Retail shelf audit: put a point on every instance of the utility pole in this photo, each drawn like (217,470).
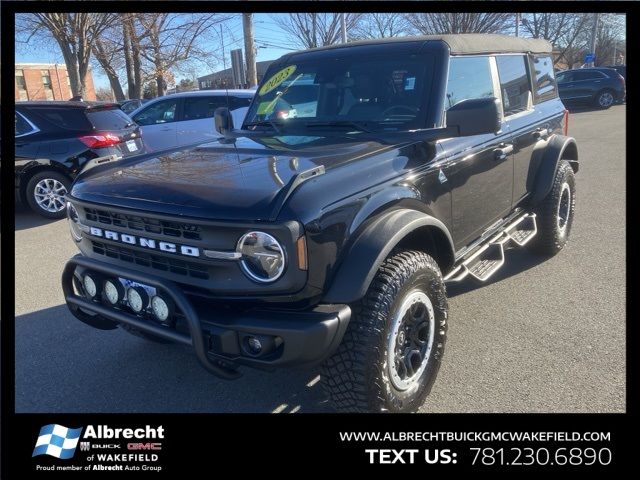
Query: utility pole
(249,49)
(343,27)
(313,29)
(224,55)
(594,37)
(517,24)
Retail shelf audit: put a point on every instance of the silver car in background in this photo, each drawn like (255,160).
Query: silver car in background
(186,118)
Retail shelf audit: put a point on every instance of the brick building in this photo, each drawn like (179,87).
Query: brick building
(47,81)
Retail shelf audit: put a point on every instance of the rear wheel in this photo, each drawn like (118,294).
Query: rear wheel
(604,99)
(46,193)
(391,352)
(555,213)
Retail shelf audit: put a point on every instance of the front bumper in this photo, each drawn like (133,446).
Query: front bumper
(217,335)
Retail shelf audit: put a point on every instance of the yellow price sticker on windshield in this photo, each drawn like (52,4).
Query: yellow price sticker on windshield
(277,79)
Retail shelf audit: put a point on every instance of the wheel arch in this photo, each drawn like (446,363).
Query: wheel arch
(558,148)
(403,228)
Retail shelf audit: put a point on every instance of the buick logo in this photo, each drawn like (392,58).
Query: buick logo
(145,242)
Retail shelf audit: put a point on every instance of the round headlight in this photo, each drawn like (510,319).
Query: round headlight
(137,298)
(74,222)
(263,257)
(113,291)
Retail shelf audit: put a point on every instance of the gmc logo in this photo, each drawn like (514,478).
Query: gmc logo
(145,242)
(144,446)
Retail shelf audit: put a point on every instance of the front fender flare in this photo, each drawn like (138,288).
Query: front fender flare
(367,252)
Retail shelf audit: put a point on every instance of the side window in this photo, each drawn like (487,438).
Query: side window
(469,77)
(238,102)
(578,76)
(545,83)
(161,112)
(22,126)
(196,108)
(564,77)
(514,83)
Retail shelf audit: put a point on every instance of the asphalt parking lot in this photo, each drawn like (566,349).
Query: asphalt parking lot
(543,336)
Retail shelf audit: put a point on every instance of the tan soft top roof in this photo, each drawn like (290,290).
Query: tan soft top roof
(464,43)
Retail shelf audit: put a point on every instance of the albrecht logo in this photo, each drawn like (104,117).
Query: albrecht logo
(57,441)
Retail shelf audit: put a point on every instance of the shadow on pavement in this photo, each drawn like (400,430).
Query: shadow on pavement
(517,261)
(26,218)
(113,371)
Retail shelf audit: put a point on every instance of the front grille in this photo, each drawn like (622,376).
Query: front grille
(164,264)
(144,224)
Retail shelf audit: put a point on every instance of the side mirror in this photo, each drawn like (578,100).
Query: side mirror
(475,116)
(223,120)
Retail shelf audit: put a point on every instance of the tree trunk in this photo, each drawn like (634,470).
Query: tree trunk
(114,80)
(128,61)
(160,85)
(71,63)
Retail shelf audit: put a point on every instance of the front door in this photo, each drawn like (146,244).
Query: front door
(479,168)
(158,125)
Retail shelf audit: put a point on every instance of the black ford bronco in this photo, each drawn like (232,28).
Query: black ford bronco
(365,177)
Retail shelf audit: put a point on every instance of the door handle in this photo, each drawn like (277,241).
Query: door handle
(541,133)
(166,129)
(503,152)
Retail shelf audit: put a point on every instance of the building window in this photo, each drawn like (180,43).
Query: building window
(22,85)
(46,83)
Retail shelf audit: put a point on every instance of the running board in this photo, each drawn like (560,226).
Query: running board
(488,259)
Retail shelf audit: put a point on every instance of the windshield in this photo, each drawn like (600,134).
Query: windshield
(368,93)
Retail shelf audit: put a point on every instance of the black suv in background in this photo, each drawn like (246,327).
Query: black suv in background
(55,141)
(600,87)
(325,229)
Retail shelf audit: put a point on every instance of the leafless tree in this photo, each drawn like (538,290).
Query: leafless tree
(310,30)
(173,39)
(75,34)
(381,25)
(562,30)
(457,22)
(104,94)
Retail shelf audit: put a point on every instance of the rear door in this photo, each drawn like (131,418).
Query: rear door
(197,124)
(480,167)
(158,124)
(586,83)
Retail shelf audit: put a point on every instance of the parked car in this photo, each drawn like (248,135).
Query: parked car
(327,236)
(186,118)
(129,106)
(600,87)
(56,141)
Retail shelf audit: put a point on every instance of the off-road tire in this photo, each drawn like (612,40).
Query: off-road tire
(31,187)
(356,376)
(550,238)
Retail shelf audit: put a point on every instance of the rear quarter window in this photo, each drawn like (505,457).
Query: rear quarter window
(544,81)
(112,119)
(63,118)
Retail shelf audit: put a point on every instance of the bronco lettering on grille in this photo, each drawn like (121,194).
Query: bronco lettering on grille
(145,242)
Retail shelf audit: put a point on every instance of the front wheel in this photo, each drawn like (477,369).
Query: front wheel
(391,352)
(46,192)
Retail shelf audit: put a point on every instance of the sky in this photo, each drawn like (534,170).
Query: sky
(268,36)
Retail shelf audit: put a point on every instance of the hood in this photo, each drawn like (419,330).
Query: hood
(240,181)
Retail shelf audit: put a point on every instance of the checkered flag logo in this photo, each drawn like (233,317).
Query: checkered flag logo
(57,441)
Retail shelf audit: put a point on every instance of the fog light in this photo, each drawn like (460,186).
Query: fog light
(90,286)
(255,346)
(137,298)
(113,291)
(162,308)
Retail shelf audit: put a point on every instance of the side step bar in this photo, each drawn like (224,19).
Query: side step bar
(488,259)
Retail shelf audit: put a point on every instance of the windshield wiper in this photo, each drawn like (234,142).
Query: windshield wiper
(265,123)
(339,123)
